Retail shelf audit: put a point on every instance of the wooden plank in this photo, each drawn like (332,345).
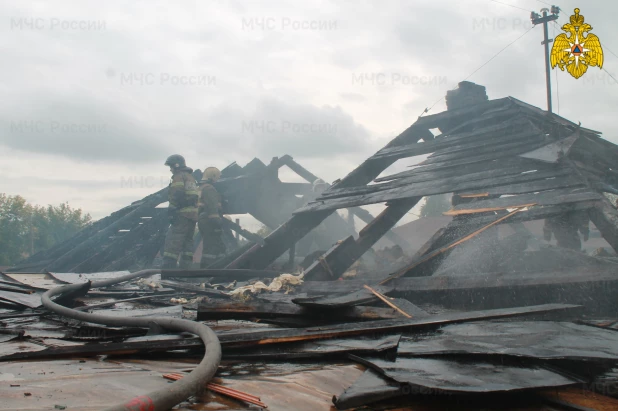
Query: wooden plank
(358,297)
(489,153)
(341,257)
(443,143)
(366,217)
(534,213)
(420,174)
(579,399)
(385,346)
(242,311)
(329,266)
(486,146)
(298,169)
(498,155)
(379,326)
(428,188)
(387,302)
(143,209)
(426,289)
(531,187)
(515,128)
(545,198)
(485,176)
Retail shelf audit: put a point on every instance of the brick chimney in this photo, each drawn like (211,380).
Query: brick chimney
(466,94)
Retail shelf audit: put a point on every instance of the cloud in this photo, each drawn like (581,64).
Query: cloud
(100,104)
(88,131)
(274,127)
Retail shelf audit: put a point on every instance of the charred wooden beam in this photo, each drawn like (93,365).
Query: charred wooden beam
(554,197)
(246,234)
(298,169)
(379,326)
(240,311)
(341,257)
(141,210)
(359,297)
(367,217)
(139,233)
(447,185)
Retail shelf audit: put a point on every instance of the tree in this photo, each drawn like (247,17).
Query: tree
(26,229)
(436,205)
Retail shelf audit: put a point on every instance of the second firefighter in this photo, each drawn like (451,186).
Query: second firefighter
(210,218)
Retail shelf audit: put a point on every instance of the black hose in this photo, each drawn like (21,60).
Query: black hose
(172,394)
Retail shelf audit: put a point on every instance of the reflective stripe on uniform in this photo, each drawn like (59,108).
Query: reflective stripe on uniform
(187,253)
(171,255)
(177,184)
(209,255)
(182,210)
(192,192)
(213,216)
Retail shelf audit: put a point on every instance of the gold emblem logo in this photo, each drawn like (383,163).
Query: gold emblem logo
(577,51)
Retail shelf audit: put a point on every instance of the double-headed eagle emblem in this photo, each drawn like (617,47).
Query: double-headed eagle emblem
(577,51)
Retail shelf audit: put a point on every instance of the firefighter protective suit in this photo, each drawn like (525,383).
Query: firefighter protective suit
(182,211)
(210,219)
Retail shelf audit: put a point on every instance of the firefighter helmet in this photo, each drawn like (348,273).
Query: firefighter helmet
(175,161)
(211,174)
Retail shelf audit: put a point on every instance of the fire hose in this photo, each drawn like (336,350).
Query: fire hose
(163,399)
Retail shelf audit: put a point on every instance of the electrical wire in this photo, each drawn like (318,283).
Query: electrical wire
(609,74)
(510,5)
(483,65)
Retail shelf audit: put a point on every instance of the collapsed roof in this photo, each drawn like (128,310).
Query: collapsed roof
(132,237)
(504,154)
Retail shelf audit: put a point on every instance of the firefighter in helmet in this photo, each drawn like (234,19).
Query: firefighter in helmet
(182,213)
(209,219)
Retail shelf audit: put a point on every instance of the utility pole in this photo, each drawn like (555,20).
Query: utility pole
(545,19)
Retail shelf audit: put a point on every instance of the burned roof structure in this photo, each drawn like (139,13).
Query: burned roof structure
(535,332)
(498,156)
(132,237)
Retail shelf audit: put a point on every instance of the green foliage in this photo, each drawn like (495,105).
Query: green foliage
(27,228)
(436,205)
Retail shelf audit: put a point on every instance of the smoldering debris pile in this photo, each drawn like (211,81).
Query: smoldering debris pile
(474,319)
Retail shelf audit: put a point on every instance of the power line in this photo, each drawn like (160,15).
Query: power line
(510,5)
(609,74)
(483,65)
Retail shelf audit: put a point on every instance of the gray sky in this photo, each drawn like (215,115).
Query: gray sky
(97,94)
